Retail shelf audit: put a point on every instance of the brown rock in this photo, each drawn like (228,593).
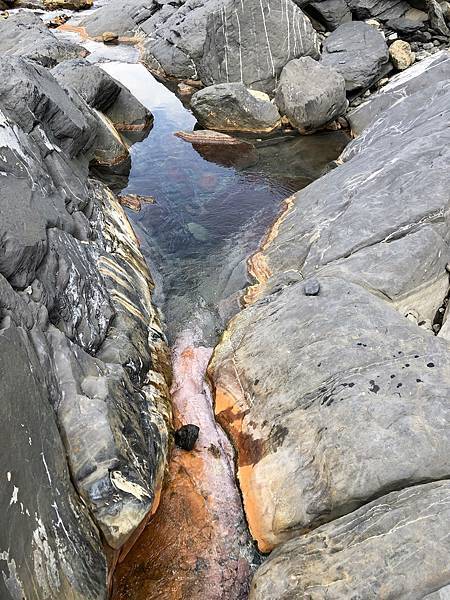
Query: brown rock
(401,55)
(109,37)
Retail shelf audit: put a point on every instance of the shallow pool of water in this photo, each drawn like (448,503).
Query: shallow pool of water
(212,206)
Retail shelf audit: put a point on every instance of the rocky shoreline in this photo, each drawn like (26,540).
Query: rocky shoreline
(331,383)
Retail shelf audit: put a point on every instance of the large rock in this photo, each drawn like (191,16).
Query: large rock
(437,19)
(358,51)
(394,547)
(49,546)
(231,107)
(217,41)
(310,94)
(24,34)
(103,92)
(81,348)
(353,402)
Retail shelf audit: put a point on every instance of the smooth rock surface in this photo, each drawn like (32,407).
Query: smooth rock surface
(231,107)
(310,94)
(365,554)
(358,52)
(353,403)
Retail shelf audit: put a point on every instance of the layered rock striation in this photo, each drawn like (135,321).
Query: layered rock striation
(83,360)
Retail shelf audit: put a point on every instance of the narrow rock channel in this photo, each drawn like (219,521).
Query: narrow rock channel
(210,213)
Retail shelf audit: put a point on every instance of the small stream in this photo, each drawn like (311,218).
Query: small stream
(213,207)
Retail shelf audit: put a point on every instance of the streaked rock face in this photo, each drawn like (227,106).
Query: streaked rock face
(216,41)
(83,362)
(339,398)
(382,550)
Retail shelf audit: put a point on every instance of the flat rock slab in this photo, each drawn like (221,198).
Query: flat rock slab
(352,403)
(358,51)
(394,547)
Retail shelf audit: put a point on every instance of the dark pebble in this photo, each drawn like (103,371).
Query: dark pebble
(186,436)
(311,287)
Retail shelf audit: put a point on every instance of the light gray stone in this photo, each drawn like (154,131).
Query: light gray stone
(310,95)
(231,107)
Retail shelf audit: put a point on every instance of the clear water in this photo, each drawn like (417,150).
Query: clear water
(211,210)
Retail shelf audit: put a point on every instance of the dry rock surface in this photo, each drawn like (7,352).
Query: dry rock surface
(352,405)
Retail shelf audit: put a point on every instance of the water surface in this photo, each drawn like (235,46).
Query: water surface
(213,205)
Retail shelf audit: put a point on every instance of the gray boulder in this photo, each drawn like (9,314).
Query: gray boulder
(332,13)
(358,52)
(310,95)
(253,44)
(437,19)
(24,34)
(395,547)
(232,107)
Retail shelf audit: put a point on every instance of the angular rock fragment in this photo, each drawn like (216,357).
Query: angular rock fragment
(401,55)
(310,94)
(358,52)
(232,107)
(394,547)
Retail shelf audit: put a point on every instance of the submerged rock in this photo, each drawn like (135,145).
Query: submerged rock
(358,52)
(232,107)
(310,94)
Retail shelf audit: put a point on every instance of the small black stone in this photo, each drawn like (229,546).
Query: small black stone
(430,364)
(186,436)
(311,287)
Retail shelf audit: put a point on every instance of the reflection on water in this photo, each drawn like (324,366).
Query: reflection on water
(213,205)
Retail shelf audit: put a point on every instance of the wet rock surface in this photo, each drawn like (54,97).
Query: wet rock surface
(83,360)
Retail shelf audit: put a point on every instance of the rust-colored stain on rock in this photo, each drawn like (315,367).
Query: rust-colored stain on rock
(197,545)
